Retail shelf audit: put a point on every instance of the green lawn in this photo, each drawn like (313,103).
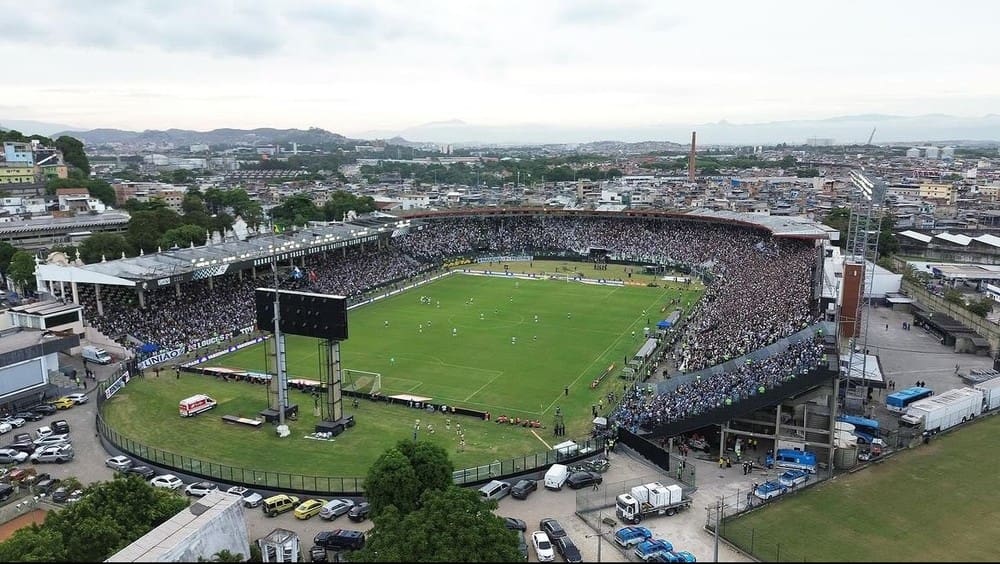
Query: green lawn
(581,330)
(935,503)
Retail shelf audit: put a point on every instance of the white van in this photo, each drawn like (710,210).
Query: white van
(96,354)
(196,404)
(556,476)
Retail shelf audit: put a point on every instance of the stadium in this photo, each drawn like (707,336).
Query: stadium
(546,331)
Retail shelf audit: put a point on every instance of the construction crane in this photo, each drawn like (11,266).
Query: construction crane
(871,136)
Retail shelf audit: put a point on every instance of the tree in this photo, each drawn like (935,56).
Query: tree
(6,253)
(392,482)
(341,202)
(223,556)
(296,210)
(108,245)
(452,525)
(110,516)
(981,307)
(147,227)
(183,236)
(787,162)
(96,188)
(839,219)
(22,270)
(954,296)
(430,462)
(73,154)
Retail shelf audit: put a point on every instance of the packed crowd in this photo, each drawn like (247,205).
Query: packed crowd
(760,291)
(640,409)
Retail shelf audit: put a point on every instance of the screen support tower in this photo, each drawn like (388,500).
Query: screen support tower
(860,256)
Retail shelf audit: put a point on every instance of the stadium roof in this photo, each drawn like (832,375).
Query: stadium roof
(778,225)
(176,265)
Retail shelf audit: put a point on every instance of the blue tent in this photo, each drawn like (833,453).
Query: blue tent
(663,324)
(149,348)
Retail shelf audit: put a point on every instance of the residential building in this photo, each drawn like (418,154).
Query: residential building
(18,153)
(172,195)
(940,192)
(17,174)
(78,200)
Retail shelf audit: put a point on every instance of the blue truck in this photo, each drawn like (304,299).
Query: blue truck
(631,536)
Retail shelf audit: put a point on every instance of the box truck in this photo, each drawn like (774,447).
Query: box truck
(96,354)
(648,499)
(196,404)
(944,411)
(991,393)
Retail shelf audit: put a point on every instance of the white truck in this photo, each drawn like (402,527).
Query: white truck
(991,393)
(649,499)
(944,411)
(96,354)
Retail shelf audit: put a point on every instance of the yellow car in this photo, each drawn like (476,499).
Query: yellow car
(63,403)
(308,508)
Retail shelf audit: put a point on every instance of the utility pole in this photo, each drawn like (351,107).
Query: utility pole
(599,534)
(718,511)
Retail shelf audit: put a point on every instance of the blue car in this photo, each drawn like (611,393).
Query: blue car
(630,536)
(650,548)
(680,556)
(793,477)
(767,490)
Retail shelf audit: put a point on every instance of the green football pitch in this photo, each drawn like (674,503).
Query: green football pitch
(934,503)
(462,352)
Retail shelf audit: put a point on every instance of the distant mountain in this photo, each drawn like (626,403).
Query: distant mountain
(29,127)
(842,129)
(181,137)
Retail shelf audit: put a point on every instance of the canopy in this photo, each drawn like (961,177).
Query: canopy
(149,348)
(664,324)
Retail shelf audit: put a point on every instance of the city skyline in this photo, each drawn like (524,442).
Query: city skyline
(382,67)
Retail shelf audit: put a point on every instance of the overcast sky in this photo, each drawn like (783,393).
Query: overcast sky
(354,67)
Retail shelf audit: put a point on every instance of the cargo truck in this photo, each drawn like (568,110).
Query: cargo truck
(991,393)
(944,411)
(650,499)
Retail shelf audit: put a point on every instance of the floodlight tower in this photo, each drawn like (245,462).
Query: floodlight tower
(867,206)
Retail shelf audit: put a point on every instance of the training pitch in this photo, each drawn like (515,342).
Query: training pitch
(463,340)
(935,503)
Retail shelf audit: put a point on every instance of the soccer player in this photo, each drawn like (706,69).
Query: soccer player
(454,331)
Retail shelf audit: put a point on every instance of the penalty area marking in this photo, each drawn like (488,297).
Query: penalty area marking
(541,439)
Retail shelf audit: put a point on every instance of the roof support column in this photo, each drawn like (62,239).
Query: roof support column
(142,298)
(76,293)
(253,271)
(211,282)
(177,288)
(97,294)
(62,291)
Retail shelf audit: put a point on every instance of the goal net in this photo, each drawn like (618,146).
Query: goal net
(361,381)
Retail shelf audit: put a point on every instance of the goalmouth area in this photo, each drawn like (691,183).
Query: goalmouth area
(508,345)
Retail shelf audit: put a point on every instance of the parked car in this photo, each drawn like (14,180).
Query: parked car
(280,503)
(6,428)
(143,471)
(118,463)
(579,480)
(308,508)
(47,485)
(63,403)
(793,477)
(631,536)
(44,409)
(60,427)
(12,456)
(19,475)
(515,524)
(335,508)
(35,478)
(53,453)
(26,448)
(6,490)
(523,488)
(543,547)
(522,545)
(650,548)
(250,497)
(360,512)
(15,422)
(65,495)
(340,539)
(317,554)
(167,481)
(29,415)
(552,528)
(78,398)
(22,438)
(767,490)
(199,489)
(52,440)
(567,548)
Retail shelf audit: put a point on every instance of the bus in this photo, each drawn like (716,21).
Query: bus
(897,402)
(866,430)
(790,458)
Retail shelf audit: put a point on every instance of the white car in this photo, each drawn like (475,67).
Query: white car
(17,422)
(168,481)
(793,477)
(119,463)
(335,508)
(52,440)
(12,456)
(53,453)
(250,497)
(6,428)
(43,431)
(543,547)
(78,398)
(199,489)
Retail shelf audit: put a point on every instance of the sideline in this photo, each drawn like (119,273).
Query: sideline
(541,439)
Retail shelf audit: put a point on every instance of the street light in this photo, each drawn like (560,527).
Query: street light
(599,534)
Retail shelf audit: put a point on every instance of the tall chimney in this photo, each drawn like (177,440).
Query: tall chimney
(691,158)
